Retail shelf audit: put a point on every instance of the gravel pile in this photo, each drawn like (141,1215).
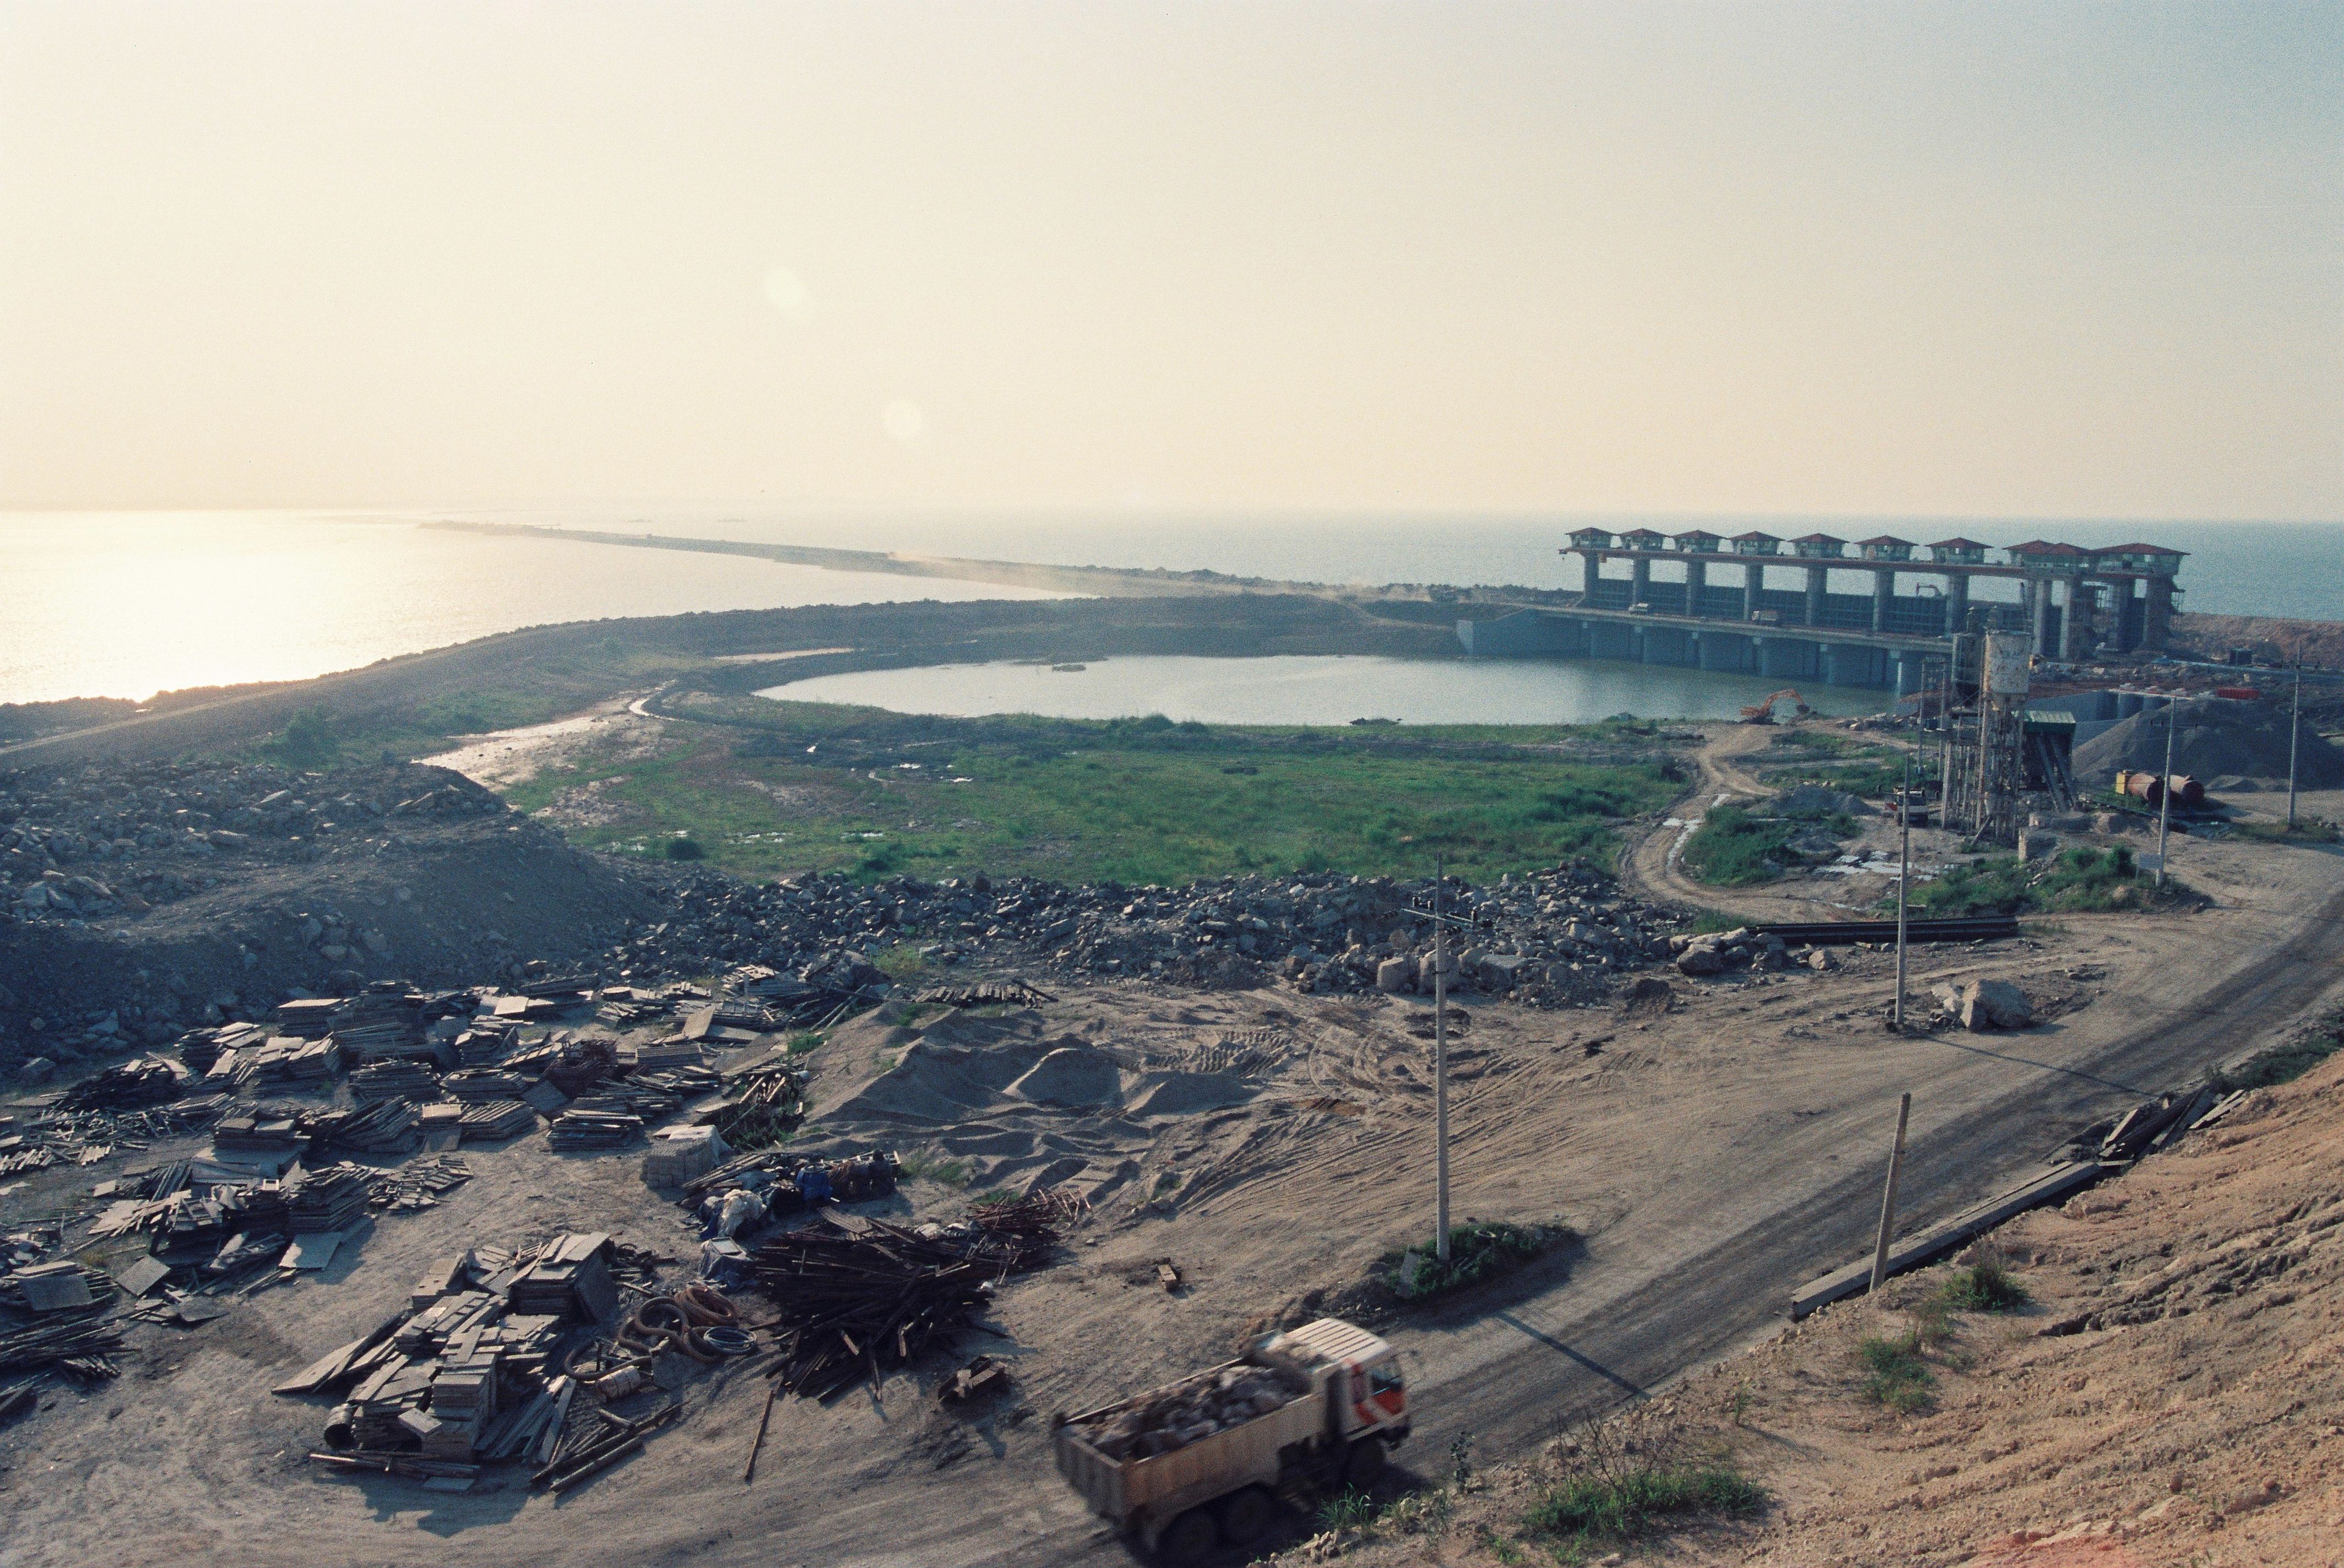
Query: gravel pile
(101,843)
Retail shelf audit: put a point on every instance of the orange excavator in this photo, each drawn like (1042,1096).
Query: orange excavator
(1763,712)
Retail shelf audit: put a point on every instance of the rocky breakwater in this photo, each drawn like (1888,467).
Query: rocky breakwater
(1558,936)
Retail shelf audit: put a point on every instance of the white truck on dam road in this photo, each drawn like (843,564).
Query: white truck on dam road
(1199,1462)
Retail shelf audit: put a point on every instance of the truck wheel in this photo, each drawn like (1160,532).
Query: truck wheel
(1364,1465)
(1246,1516)
(1188,1537)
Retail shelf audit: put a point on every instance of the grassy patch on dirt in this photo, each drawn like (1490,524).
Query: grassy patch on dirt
(1634,1501)
(1730,850)
(1478,1250)
(2284,1063)
(1135,804)
(2307,830)
(1896,1373)
(2076,880)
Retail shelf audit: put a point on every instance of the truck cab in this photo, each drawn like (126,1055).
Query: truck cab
(1367,1394)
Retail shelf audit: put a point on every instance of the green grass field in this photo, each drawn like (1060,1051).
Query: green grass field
(1134,802)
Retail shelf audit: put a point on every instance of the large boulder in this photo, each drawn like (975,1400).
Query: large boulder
(1700,961)
(1996,1005)
(1393,974)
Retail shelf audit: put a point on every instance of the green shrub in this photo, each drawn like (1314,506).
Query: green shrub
(684,849)
(1632,1501)
(1985,1286)
(1477,1250)
(2076,880)
(309,742)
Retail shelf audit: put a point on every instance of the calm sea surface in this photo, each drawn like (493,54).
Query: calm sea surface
(1289,690)
(113,604)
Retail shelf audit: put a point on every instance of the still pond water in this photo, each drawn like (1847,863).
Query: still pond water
(1319,690)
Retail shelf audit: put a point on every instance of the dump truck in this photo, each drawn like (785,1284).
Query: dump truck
(1198,1462)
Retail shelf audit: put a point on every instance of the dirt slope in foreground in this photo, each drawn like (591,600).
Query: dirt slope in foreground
(2173,1394)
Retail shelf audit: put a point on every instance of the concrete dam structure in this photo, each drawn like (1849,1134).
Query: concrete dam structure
(2075,601)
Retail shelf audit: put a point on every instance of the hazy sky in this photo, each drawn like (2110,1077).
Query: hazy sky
(1943,258)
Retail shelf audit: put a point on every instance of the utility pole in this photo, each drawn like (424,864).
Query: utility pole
(1945,740)
(1888,1199)
(1903,883)
(2165,784)
(1441,1054)
(2294,737)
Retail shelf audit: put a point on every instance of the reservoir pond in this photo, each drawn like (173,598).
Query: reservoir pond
(1320,690)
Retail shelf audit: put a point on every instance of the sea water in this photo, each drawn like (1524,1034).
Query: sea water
(127,604)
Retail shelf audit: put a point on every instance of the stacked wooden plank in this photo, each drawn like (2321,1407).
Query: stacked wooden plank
(677,1052)
(479,1086)
(140,1081)
(384,1126)
(497,1120)
(571,1276)
(288,1059)
(1008,993)
(313,1017)
(259,1134)
(418,1184)
(580,1129)
(404,1079)
(487,1040)
(333,1198)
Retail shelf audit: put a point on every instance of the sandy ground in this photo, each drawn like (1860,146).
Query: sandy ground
(1709,1158)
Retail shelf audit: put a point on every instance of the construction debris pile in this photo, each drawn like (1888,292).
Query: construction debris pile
(743,1192)
(857,1297)
(488,1359)
(1193,1409)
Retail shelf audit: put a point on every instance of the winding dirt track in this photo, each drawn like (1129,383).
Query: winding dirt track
(1650,868)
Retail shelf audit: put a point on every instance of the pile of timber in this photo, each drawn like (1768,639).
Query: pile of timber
(853,1304)
(1006,993)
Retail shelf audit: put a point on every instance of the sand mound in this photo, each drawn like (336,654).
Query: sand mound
(1186,1094)
(2216,737)
(1071,1074)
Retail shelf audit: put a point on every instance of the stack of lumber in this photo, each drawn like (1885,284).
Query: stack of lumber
(1024,1234)
(382,1080)
(288,1059)
(497,1120)
(590,1130)
(385,1127)
(570,1275)
(766,1106)
(333,1198)
(477,1086)
(140,1081)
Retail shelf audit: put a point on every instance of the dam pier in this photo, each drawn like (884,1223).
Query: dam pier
(1666,608)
